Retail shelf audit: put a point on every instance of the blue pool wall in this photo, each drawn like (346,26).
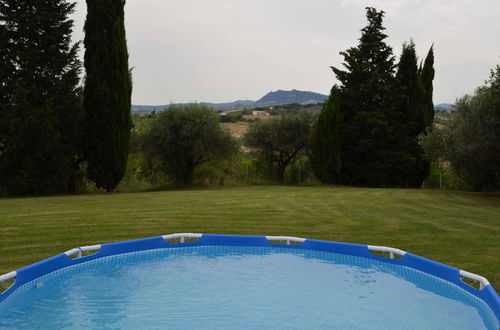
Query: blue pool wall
(445,272)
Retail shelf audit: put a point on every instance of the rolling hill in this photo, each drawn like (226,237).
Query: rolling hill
(279,97)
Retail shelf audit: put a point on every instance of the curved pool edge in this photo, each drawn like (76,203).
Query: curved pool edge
(63,260)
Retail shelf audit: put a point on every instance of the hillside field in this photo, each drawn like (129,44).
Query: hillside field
(459,229)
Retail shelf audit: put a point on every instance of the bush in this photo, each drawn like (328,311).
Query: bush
(441,176)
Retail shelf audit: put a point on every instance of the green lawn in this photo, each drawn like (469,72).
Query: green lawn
(459,229)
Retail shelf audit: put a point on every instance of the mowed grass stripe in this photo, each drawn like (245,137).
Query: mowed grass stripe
(460,229)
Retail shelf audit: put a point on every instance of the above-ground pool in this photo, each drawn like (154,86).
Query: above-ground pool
(244,282)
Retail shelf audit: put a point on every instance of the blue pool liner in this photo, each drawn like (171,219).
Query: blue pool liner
(445,272)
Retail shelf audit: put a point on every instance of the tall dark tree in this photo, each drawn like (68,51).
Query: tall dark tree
(325,141)
(40,110)
(416,89)
(411,88)
(107,93)
(412,168)
(368,108)
(427,77)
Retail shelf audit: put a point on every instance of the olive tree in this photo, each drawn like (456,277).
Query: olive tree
(107,93)
(279,140)
(182,138)
(474,138)
(470,142)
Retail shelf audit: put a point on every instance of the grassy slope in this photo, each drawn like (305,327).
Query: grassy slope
(459,229)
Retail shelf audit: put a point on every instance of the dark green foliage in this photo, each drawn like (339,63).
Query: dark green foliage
(372,139)
(6,65)
(427,77)
(473,137)
(426,112)
(279,140)
(470,142)
(494,97)
(40,107)
(183,138)
(107,94)
(414,118)
(411,89)
(325,141)
(369,109)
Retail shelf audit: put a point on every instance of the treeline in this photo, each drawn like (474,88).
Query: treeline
(186,145)
(41,140)
(284,109)
(376,129)
(55,134)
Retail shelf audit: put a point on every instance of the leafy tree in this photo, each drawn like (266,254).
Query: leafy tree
(435,149)
(40,108)
(325,141)
(470,142)
(279,140)
(107,93)
(474,137)
(494,97)
(368,111)
(183,138)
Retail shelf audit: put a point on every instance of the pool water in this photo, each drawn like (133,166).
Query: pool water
(242,287)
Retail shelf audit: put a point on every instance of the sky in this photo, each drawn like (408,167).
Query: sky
(227,50)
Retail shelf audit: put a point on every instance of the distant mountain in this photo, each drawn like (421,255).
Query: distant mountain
(271,99)
(288,97)
(444,107)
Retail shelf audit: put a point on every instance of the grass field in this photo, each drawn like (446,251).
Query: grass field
(459,229)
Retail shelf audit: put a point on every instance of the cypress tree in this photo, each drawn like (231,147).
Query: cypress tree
(40,110)
(181,139)
(411,88)
(426,113)
(412,123)
(417,114)
(325,141)
(368,108)
(107,93)
(427,77)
